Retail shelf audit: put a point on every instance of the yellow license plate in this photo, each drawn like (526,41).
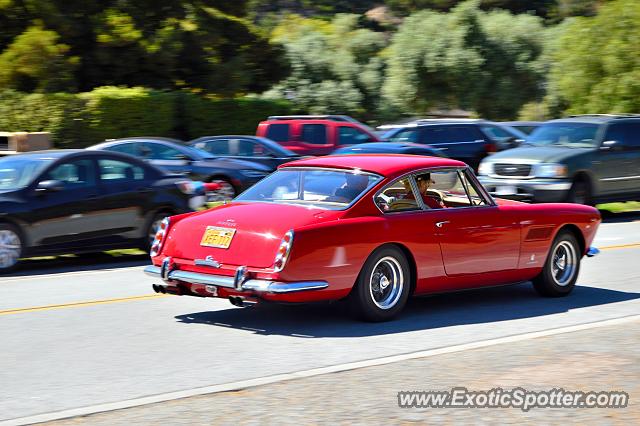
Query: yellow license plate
(215,236)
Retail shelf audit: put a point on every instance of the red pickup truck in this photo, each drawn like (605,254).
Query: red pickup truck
(315,134)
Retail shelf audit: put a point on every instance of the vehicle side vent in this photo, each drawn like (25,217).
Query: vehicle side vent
(539,233)
(512,169)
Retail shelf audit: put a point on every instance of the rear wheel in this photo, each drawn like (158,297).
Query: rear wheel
(560,271)
(382,288)
(226,191)
(11,247)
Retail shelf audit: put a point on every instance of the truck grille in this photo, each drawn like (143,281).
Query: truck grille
(512,169)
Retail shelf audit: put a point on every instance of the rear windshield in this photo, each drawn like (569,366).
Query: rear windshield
(330,189)
(572,135)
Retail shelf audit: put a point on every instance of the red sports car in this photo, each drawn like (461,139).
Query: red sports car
(374,229)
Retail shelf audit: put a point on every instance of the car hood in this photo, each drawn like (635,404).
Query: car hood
(537,154)
(259,228)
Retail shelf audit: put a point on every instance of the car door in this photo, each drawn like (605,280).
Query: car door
(126,195)
(614,161)
(71,216)
(476,237)
(314,137)
(166,157)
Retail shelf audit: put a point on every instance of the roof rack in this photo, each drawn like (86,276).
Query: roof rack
(345,118)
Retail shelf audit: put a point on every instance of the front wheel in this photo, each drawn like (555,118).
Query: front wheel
(11,247)
(579,193)
(560,271)
(382,288)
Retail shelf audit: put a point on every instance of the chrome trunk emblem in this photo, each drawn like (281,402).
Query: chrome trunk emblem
(207,261)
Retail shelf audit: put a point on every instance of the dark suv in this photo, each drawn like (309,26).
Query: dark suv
(467,140)
(584,159)
(315,134)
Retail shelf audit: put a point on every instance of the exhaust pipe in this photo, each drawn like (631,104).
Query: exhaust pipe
(242,302)
(163,289)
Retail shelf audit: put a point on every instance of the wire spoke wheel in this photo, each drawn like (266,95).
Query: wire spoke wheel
(386,283)
(563,264)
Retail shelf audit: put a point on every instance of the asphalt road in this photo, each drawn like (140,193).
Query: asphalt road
(76,335)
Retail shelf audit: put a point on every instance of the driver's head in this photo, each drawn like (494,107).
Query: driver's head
(424,181)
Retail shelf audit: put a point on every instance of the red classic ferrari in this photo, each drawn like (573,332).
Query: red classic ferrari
(371,228)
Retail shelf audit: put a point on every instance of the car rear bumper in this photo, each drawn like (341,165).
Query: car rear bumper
(540,190)
(237,283)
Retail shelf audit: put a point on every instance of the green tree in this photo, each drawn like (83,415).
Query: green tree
(596,65)
(35,61)
(483,61)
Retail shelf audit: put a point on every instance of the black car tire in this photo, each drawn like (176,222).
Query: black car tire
(580,193)
(558,277)
(151,230)
(371,301)
(10,236)
(225,193)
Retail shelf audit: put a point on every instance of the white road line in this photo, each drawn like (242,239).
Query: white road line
(66,274)
(243,384)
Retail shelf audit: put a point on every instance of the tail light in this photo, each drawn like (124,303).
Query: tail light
(283,251)
(158,240)
(491,148)
(186,187)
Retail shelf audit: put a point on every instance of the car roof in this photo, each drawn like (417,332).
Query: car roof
(382,164)
(594,118)
(46,154)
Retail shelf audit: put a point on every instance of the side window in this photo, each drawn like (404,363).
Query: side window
(474,195)
(397,197)
(119,171)
(351,135)
(74,174)
(215,146)
(466,134)
(244,147)
(314,134)
(157,151)
(625,133)
(125,148)
(437,134)
(278,132)
(450,190)
(407,135)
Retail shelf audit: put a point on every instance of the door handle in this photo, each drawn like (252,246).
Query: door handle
(439,224)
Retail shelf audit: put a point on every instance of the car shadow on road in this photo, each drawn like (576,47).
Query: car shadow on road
(480,306)
(75,263)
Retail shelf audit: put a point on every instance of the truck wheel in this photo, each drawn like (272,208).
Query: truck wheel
(560,271)
(580,193)
(382,288)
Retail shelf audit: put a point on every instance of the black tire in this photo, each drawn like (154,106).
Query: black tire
(580,193)
(151,229)
(10,237)
(390,263)
(227,191)
(556,280)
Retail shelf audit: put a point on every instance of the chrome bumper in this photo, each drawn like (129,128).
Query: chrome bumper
(592,252)
(236,283)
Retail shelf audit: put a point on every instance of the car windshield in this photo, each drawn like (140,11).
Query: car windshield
(572,135)
(18,172)
(197,153)
(322,188)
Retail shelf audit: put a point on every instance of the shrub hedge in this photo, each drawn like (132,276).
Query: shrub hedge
(80,120)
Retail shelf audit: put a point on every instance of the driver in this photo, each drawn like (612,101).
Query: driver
(432,200)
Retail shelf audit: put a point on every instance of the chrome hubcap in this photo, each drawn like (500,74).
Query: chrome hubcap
(386,283)
(563,263)
(9,248)
(224,193)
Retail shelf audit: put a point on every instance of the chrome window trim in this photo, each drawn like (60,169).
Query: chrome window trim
(490,202)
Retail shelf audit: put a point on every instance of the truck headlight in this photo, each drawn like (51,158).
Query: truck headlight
(551,170)
(485,168)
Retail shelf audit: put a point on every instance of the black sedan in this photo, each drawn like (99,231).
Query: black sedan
(390,148)
(71,201)
(252,148)
(233,176)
